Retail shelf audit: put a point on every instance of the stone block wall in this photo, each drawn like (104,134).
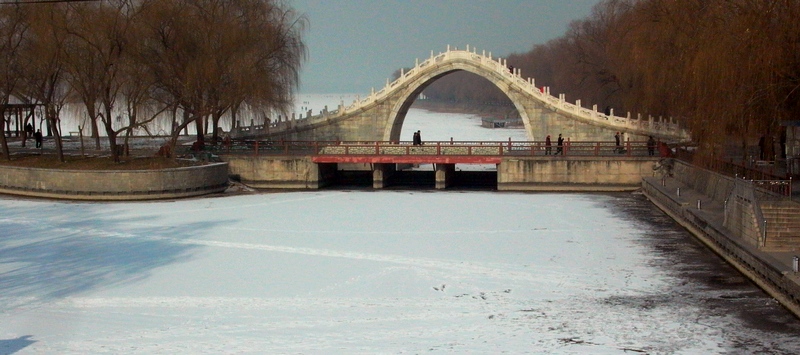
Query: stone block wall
(573,173)
(275,172)
(717,187)
(114,184)
(740,218)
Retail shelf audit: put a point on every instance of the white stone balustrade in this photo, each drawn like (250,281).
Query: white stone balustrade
(662,128)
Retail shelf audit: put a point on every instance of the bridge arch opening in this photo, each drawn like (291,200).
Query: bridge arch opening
(477,113)
(489,101)
(442,121)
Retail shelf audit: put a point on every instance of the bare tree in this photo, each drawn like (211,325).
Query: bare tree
(208,56)
(13,27)
(729,69)
(98,39)
(266,52)
(42,79)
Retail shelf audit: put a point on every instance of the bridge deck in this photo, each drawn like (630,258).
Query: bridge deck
(406,159)
(447,152)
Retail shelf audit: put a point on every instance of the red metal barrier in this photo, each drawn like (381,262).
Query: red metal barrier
(495,148)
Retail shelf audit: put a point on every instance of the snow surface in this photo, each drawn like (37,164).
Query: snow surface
(345,272)
(338,272)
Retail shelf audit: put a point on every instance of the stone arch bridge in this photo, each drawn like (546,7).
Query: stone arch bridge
(380,116)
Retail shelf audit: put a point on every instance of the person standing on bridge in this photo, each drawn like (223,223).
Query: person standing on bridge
(419,137)
(651,146)
(415,140)
(618,148)
(560,145)
(548,146)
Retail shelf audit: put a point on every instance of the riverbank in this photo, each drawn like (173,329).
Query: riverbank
(704,216)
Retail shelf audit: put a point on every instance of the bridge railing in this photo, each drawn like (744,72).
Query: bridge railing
(440,148)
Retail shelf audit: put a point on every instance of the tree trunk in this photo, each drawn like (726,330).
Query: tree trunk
(234,111)
(3,140)
(24,132)
(95,130)
(112,142)
(200,137)
(215,121)
(112,135)
(52,124)
(176,131)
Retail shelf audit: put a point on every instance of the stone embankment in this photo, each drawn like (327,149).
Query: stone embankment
(114,185)
(724,214)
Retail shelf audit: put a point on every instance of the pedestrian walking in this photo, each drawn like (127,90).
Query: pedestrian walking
(547,145)
(618,148)
(27,133)
(560,145)
(38,138)
(651,146)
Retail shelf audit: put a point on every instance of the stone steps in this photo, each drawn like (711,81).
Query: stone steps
(783,225)
(783,219)
(782,244)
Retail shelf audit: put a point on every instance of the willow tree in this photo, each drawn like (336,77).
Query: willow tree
(210,55)
(142,103)
(42,79)
(97,43)
(729,66)
(13,27)
(268,70)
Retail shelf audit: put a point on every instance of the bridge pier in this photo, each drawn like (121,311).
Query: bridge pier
(444,175)
(381,173)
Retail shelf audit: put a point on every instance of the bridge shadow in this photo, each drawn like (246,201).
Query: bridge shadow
(11,346)
(53,251)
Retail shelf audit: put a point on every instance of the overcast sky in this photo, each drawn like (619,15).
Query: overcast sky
(355,45)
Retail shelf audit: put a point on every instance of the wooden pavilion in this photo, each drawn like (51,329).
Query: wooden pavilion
(16,116)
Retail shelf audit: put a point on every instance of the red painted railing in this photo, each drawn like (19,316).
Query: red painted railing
(450,148)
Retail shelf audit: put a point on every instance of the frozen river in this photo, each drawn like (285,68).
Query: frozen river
(372,272)
(348,272)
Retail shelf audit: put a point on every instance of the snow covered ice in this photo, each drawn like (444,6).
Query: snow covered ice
(341,272)
(361,271)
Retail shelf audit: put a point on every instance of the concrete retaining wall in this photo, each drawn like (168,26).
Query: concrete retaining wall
(116,184)
(711,184)
(573,174)
(757,266)
(740,215)
(740,218)
(279,172)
